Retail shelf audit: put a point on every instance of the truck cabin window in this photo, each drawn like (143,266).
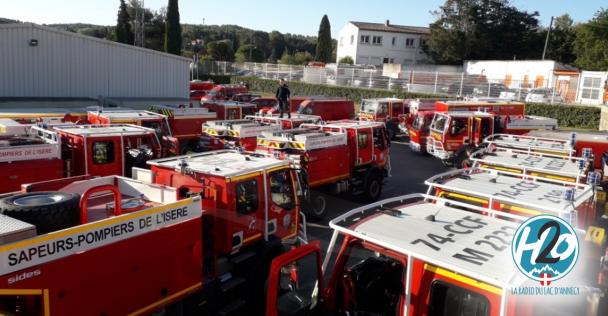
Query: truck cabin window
(303,109)
(439,123)
(420,123)
(379,138)
(458,126)
(103,152)
(362,140)
(281,189)
(369,107)
(372,283)
(247,197)
(451,300)
(298,282)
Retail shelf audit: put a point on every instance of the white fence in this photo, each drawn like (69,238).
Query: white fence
(410,80)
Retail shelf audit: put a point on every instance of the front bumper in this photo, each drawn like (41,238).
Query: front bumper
(435,148)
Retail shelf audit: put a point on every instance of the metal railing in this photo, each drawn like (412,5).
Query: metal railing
(426,81)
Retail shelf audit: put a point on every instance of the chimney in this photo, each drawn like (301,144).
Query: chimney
(387,23)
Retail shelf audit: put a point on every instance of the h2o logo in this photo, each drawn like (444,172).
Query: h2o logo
(545,248)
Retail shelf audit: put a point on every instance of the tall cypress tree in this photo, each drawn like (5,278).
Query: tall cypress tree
(323,50)
(123,28)
(173,30)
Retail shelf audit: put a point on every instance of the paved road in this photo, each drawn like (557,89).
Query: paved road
(409,170)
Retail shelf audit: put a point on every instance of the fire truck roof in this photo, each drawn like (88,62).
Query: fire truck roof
(353,124)
(530,161)
(224,163)
(105,130)
(382,100)
(465,114)
(133,114)
(531,143)
(599,137)
(481,103)
(546,196)
(175,111)
(404,224)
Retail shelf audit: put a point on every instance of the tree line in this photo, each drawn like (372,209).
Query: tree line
(495,29)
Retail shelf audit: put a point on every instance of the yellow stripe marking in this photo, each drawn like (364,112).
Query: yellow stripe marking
(93,225)
(464,279)
(21,292)
(248,239)
(167,299)
(243,177)
(47,303)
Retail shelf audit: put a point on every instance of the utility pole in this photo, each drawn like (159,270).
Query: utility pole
(547,39)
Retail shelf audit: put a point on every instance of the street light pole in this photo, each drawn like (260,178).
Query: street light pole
(547,39)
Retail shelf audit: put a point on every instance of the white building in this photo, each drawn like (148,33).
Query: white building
(41,65)
(377,43)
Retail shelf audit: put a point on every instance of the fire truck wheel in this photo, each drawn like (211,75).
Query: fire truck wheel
(373,186)
(317,206)
(48,211)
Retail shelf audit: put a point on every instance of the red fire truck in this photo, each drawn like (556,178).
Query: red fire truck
(223,92)
(244,133)
(148,247)
(70,150)
(342,156)
(596,141)
(387,110)
(230,110)
(455,135)
(178,128)
(423,113)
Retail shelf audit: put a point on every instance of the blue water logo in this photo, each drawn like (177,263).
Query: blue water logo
(545,248)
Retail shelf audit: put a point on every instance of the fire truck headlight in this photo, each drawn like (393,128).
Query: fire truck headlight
(286,221)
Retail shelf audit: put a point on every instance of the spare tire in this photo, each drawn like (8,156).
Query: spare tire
(48,211)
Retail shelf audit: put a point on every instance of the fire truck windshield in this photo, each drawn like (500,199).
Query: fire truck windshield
(369,107)
(439,123)
(420,123)
(281,189)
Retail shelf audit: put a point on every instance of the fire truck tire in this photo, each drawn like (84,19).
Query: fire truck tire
(373,186)
(48,211)
(316,207)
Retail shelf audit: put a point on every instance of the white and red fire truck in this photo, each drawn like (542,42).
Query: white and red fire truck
(341,156)
(243,133)
(454,135)
(597,141)
(147,246)
(38,154)
(230,110)
(178,128)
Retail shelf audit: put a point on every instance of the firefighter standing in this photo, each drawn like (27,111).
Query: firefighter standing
(282,96)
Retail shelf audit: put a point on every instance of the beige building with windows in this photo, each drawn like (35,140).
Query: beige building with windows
(382,43)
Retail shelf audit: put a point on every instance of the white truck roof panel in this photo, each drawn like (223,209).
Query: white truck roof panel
(408,233)
(519,159)
(12,127)
(532,143)
(545,195)
(101,130)
(224,163)
(125,115)
(600,137)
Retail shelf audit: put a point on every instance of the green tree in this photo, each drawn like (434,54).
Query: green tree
(482,29)
(277,45)
(591,43)
(173,30)
(287,59)
(346,60)
(221,50)
(324,45)
(302,58)
(249,53)
(561,40)
(123,28)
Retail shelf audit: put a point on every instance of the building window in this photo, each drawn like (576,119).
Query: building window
(394,41)
(377,40)
(385,60)
(591,88)
(449,299)
(364,39)
(409,42)
(352,39)
(246,197)
(392,60)
(103,152)
(422,42)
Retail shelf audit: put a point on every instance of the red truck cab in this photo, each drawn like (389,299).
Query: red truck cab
(224,92)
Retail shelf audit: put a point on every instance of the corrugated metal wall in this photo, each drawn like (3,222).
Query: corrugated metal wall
(71,65)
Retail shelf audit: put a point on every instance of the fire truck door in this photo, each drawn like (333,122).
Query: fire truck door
(364,146)
(250,210)
(232,113)
(281,199)
(104,156)
(482,127)
(294,282)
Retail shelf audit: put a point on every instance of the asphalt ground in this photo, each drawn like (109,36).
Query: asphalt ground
(408,172)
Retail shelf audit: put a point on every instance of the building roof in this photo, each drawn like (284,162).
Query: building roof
(90,38)
(393,28)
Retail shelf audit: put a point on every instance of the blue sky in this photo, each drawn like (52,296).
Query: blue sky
(300,17)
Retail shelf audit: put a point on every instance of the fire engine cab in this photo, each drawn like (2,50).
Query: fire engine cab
(230,110)
(418,255)
(238,133)
(455,134)
(178,128)
(70,150)
(387,110)
(341,156)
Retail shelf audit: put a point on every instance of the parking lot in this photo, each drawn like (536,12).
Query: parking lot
(408,172)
